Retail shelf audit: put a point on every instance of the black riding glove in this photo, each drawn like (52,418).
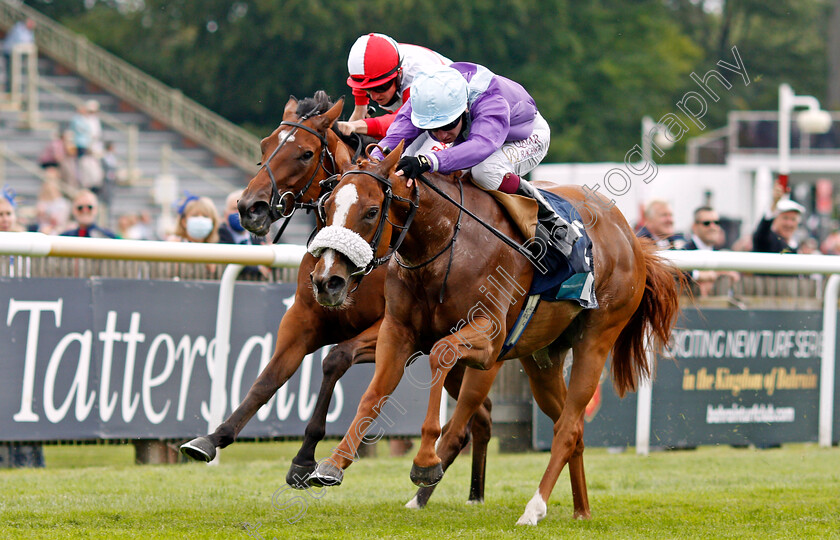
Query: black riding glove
(412,167)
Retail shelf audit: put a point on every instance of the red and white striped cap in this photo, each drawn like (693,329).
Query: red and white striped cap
(374,60)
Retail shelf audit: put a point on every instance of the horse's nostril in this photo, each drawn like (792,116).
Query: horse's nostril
(335,284)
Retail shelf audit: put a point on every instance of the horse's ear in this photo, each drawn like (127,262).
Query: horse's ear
(324,121)
(291,106)
(387,165)
(343,159)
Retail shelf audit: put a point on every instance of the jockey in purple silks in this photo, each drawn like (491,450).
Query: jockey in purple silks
(491,127)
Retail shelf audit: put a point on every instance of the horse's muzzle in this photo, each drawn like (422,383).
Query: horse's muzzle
(255,217)
(330,291)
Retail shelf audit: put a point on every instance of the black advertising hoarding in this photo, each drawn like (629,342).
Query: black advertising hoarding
(116,358)
(608,419)
(737,377)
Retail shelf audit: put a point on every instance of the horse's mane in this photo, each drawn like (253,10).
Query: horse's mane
(321,103)
(317,104)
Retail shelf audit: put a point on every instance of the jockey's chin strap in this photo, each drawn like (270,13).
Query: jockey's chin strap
(395,243)
(283,206)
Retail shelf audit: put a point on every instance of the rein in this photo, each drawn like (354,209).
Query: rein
(496,232)
(448,246)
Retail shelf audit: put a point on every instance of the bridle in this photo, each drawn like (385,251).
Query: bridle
(283,206)
(396,242)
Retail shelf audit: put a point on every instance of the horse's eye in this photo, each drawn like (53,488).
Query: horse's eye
(372,213)
(307,155)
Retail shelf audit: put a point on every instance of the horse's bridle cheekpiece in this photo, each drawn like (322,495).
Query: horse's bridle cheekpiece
(283,206)
(364,257)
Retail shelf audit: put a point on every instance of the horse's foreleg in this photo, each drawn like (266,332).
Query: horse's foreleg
(470,418)
(393,348)
(357,350)
(472,347)
(296,337)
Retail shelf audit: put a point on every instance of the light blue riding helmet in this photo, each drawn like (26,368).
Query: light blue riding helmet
(438,97)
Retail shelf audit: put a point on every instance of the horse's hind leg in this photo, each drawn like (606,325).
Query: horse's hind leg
(456,434)
(590,354)
(360,349)
(549,389)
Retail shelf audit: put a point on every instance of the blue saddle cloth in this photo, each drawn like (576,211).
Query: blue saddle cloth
(567,279)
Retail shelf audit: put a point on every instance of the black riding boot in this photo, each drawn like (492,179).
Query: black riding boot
(551,228)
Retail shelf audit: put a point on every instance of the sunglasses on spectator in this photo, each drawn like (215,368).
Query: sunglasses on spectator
(83,207)
(448,127)
(709,222)
(382,88)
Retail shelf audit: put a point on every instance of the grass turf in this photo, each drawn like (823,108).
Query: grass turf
(713,492)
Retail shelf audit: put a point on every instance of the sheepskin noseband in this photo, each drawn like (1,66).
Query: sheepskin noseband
(345,241)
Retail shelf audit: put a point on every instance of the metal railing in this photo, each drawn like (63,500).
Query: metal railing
(771,263)
(162,102)
(25,53)
(7,154)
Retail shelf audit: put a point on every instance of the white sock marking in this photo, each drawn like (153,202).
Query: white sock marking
(534,511)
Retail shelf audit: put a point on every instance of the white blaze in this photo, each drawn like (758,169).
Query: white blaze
(344,200)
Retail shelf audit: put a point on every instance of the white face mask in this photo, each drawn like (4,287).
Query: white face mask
(199,227)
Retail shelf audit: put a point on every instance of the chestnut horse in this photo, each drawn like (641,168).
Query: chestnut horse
(486,289)
(300,153)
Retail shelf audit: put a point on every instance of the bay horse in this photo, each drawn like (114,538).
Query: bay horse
(299,153)
(637,292)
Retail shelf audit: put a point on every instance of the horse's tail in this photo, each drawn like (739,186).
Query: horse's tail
(650,324)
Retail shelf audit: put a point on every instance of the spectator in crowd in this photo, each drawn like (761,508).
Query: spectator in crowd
(198,221)
(706,235)
(92,118)
(831,244)
(52,209)
(775,231)
(80,127)
(744,243)
(109,164)
(53,153)
(21,32)
(809,246)
(382,70)
(659,226)
(8,216)
(231,231)
(85,210)
(67,166)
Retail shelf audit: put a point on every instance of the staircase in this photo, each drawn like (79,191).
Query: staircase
(159,149)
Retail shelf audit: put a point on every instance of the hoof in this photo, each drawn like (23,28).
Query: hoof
(475,501)
(413,504)
(426,476)
(534,511)
(298,475)
(326,475)
(199,449)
